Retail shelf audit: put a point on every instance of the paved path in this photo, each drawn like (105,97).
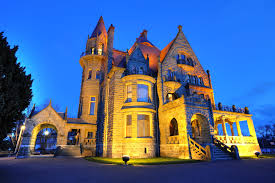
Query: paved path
(79,170)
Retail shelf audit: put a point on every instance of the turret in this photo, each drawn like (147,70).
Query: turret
(94,63)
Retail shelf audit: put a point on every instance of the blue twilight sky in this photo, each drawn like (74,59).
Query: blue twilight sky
(234,39)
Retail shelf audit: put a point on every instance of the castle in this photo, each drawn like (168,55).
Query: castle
(145,102)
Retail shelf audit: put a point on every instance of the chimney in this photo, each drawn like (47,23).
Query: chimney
(110,46)
(144,33)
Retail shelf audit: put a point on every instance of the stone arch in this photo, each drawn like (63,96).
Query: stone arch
(173,127)
(37,128)
(200,128)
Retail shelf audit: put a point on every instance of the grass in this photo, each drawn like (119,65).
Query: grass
(147,161)
(260,156)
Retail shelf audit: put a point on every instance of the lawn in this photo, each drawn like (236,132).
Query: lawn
(145,161)
(260,157)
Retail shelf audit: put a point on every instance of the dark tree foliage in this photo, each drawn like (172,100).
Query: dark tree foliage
(15,88)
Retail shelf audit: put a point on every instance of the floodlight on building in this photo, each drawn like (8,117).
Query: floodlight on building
(125,158)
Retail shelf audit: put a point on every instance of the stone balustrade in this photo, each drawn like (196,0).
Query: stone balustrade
(89,141)
(236,139)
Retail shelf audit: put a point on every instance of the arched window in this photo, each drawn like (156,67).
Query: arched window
(174,127)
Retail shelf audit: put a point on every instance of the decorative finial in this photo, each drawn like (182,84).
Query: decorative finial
(180,28)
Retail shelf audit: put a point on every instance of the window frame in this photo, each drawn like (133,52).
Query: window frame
(150,125)
(90,102)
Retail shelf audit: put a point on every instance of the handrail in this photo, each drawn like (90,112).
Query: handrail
(196,144)
(232,151)
(198,151)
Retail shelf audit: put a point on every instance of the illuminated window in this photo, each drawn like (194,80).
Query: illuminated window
(99,49)
(92,51)
(90,135)
(90,74)
(143,125)
(142,92)
(92,106)
(129,126)
(129,93)
(170,97)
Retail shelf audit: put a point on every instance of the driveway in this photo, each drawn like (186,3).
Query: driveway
(69,170)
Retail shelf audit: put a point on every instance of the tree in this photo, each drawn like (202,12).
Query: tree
(15,88)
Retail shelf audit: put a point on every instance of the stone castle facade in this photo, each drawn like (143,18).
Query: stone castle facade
(146,102)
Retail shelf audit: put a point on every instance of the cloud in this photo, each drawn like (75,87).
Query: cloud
(257,91)
(264,114)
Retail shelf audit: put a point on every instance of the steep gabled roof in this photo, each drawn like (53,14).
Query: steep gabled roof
(100,28)
(137,54)
(147,48)
(166,49)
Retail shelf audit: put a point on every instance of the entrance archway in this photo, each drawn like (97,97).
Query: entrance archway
(45,142)
(200,128)
(44,138)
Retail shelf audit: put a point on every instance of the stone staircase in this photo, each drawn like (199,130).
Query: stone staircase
(220,154)
(68,151)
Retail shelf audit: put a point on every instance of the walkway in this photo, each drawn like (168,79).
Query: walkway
(59,170)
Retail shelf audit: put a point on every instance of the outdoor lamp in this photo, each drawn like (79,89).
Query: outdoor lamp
(257,153)
(23,127)
(125,158)
(46,133)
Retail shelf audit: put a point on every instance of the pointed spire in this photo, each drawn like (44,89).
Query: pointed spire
(50,103)
(100,28)
(66,113)
(180,28)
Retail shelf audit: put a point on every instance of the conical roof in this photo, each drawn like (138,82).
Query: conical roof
(100,28)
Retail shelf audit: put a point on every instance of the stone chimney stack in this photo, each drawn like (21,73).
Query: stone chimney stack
(144,33)
(110,46)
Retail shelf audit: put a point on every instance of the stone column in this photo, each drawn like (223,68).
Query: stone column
(231,128)
(239,130)
(224,129)
(251,127)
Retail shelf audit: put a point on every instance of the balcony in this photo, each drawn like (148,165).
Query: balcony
(91,53)
(232,108)
(187,64)
(172,82)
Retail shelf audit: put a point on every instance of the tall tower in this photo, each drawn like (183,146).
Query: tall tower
(94,63)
